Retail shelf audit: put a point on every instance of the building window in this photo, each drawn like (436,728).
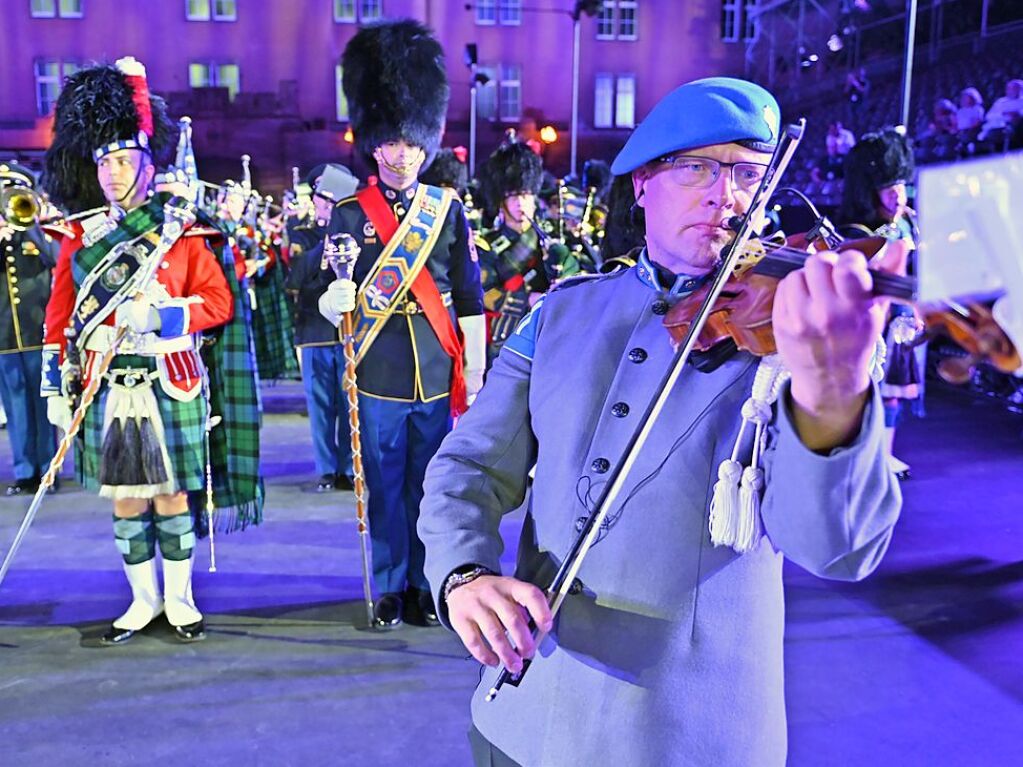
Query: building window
(606,21)
(339,94)
(730,21)
(509,12)
(486,12)
(614,101)
(217,10)
(625,101)
(371,10)
(750,22)
(48,9)
(50,76)
(627,19)
(353,11)
(510,92)
(486,95)
(225,10)
(212,75)
(617,20)
(344,11)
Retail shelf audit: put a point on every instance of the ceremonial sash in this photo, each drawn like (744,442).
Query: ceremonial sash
(108,270)
(399,269)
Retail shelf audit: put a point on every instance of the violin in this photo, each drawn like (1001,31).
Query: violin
(974,328)
(743,310)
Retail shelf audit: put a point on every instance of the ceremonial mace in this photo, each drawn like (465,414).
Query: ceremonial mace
(176,220)
(341,251)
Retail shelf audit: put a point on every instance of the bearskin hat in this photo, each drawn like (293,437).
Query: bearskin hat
(877,160)
(396,86)
(513,167)
(447,169)
(100,105)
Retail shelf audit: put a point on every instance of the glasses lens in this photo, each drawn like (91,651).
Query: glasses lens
(694,171)
(748,175)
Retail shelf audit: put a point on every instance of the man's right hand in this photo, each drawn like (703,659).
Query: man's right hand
(58,412)
(491,616)
(337,299)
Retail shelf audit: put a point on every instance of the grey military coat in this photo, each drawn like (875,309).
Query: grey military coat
(672,654)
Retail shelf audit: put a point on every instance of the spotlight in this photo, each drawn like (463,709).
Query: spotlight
(548,134)
(835,43)
(349,136)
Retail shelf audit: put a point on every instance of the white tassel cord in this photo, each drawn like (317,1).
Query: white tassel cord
(735,505)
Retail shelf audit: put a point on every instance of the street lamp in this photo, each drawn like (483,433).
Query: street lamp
(478,80)
(590,8)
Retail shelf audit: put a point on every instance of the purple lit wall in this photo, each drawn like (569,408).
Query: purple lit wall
(285,111)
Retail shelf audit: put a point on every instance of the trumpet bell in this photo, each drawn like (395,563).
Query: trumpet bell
(20,207)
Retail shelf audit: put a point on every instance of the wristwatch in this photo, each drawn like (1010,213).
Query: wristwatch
(462,576)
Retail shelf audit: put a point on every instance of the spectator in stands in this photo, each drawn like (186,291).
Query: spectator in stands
(969,118)
(1003,116)
(838,142)
(939,141)
(856,89)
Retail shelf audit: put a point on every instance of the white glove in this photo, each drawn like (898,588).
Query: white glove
(336,300)
(140,316)
(474,333)
(58,412)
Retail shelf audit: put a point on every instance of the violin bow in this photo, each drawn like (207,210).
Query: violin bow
(564,581)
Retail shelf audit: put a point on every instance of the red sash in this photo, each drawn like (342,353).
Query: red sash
(425,291)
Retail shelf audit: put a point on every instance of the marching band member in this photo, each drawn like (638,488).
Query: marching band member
(145,432)
(420,286)
(670,650)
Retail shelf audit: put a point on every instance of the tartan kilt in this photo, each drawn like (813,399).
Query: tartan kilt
(184,425)
(273,328)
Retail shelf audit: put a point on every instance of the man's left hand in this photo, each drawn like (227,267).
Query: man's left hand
(826,324)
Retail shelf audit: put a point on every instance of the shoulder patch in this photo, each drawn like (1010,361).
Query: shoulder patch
(523,340)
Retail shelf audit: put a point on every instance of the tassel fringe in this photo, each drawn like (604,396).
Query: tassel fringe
(735,505)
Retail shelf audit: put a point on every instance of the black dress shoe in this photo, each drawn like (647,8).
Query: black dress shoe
(23,486)
(343,482)
(325,484)
(193,632)
(387,612)
(116,636)
(419,608)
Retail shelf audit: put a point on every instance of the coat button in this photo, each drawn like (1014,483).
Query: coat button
(10,259)
(619,410)
(600,465)
(660,306)
(165,265)
(637,355)
(15,301)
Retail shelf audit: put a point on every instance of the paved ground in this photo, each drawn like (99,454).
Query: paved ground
(921,665)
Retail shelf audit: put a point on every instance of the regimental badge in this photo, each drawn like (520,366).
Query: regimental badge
(296,249)
(429,206)
(88,308)
(772,121)
(413,242)
(114,277)
(29,248)
(368,230)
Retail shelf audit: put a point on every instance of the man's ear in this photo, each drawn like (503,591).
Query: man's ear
(639,177)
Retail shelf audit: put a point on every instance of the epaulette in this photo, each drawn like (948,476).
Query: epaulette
(481,241)
(581,279)
(206,232)
(58,230)
(617,264)
(346,201)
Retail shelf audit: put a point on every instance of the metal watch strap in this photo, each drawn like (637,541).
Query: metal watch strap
(461,578)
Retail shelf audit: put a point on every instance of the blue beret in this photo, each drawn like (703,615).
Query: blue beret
(715,110)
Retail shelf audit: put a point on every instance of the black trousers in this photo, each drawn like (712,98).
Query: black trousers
(486,754)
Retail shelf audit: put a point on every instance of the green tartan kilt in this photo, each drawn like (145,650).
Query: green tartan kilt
(184,426)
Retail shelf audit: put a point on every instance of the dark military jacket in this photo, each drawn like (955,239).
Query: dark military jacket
(406,361)
(306,283)
(28,258)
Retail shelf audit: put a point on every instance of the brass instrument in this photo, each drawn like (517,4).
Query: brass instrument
(21,207)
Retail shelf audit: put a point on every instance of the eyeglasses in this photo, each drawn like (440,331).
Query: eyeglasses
(702,172)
